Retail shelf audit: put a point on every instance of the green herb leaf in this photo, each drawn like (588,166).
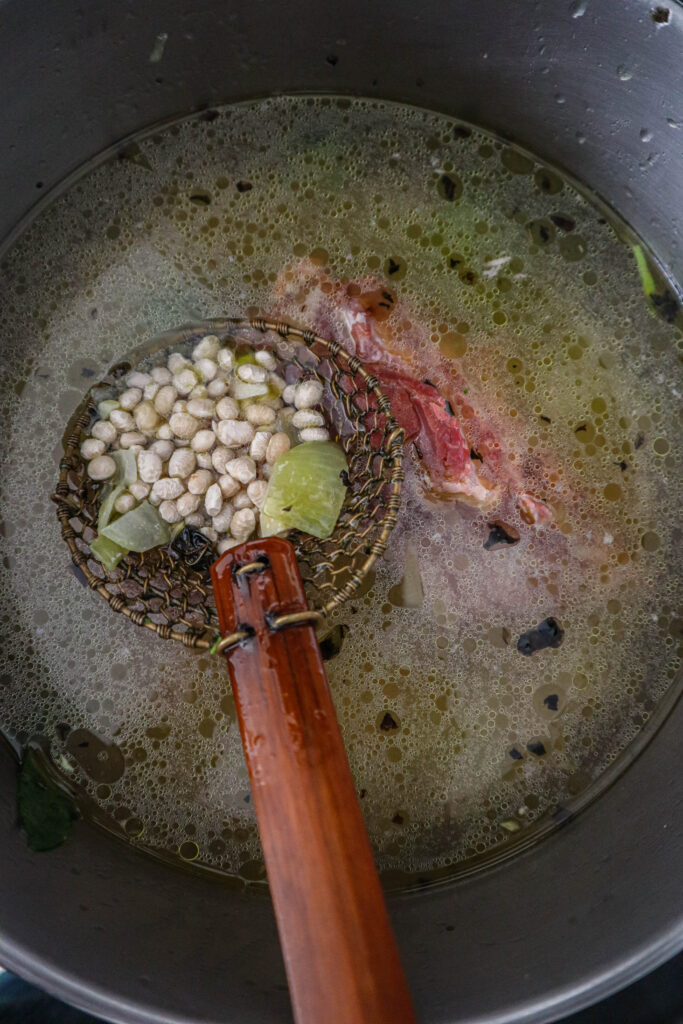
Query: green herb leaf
(45,813)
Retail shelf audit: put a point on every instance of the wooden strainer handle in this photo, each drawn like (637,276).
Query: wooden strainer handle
(339,950)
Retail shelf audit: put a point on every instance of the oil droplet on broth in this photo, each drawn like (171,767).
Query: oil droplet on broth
(457,742)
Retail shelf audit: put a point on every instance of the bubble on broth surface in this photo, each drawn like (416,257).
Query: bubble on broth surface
(458,744)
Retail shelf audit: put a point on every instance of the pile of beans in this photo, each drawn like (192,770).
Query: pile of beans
(204,452)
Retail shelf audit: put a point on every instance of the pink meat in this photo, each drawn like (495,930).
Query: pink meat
(458,450)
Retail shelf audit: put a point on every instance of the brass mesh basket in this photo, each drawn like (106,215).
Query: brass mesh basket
(163,593)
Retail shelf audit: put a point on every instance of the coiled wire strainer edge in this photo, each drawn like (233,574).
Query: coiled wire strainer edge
(175,599)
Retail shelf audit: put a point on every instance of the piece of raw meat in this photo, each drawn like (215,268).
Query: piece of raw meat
(458,449)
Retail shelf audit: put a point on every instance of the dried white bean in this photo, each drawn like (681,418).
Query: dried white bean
(161,375)
(165,399)
(259,446)
(183,425)
(234,433)
(307,394)
(227,409)
(168,510)
(307,418)
(200,481)
(243,523)
(251,373)
(265,358)
(101,467)
(277,446)
(194,519)
(206,348)
(257,491)
(130,398)
(207,368)
(122,420)
(150,468)
(314,434)
(139,489)
(167,489)
(242,469)
(225,358)
(221,522)
(213,500)
(132,439)
(177,362)
(216,388)
(204,460)
(164,449)
(272,403)
(103,430)
(225,544)
(203,440)
(188,503)
(150,392)
(242,500)
(288,394)
(124,503)
(180,405)
(91,448)
(182,463)
(260,415)
(136,379)
(184,381)
(209,532)
(277,382)
(104,408)
(220,456)
(146,417)
(228,485)
(198,391)
(202,408)
(164,432)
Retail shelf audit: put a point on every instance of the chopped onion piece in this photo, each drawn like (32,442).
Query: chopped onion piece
(306,490)
(107,552)
(126,466)
(240,389)
(107,504)
(139,530)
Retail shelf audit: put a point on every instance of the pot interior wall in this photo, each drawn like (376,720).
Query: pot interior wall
(591,86)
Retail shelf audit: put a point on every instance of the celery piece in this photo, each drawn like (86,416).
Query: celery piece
(646,278)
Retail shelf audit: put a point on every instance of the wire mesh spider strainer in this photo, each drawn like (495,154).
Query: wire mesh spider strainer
(262,598)
(174,597)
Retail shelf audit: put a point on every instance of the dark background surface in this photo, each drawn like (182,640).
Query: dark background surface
(655,999)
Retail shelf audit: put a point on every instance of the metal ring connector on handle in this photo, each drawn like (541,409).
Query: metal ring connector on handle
(276,623)
(296,619)
(230,640)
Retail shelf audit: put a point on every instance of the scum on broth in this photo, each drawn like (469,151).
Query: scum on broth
(457,742)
